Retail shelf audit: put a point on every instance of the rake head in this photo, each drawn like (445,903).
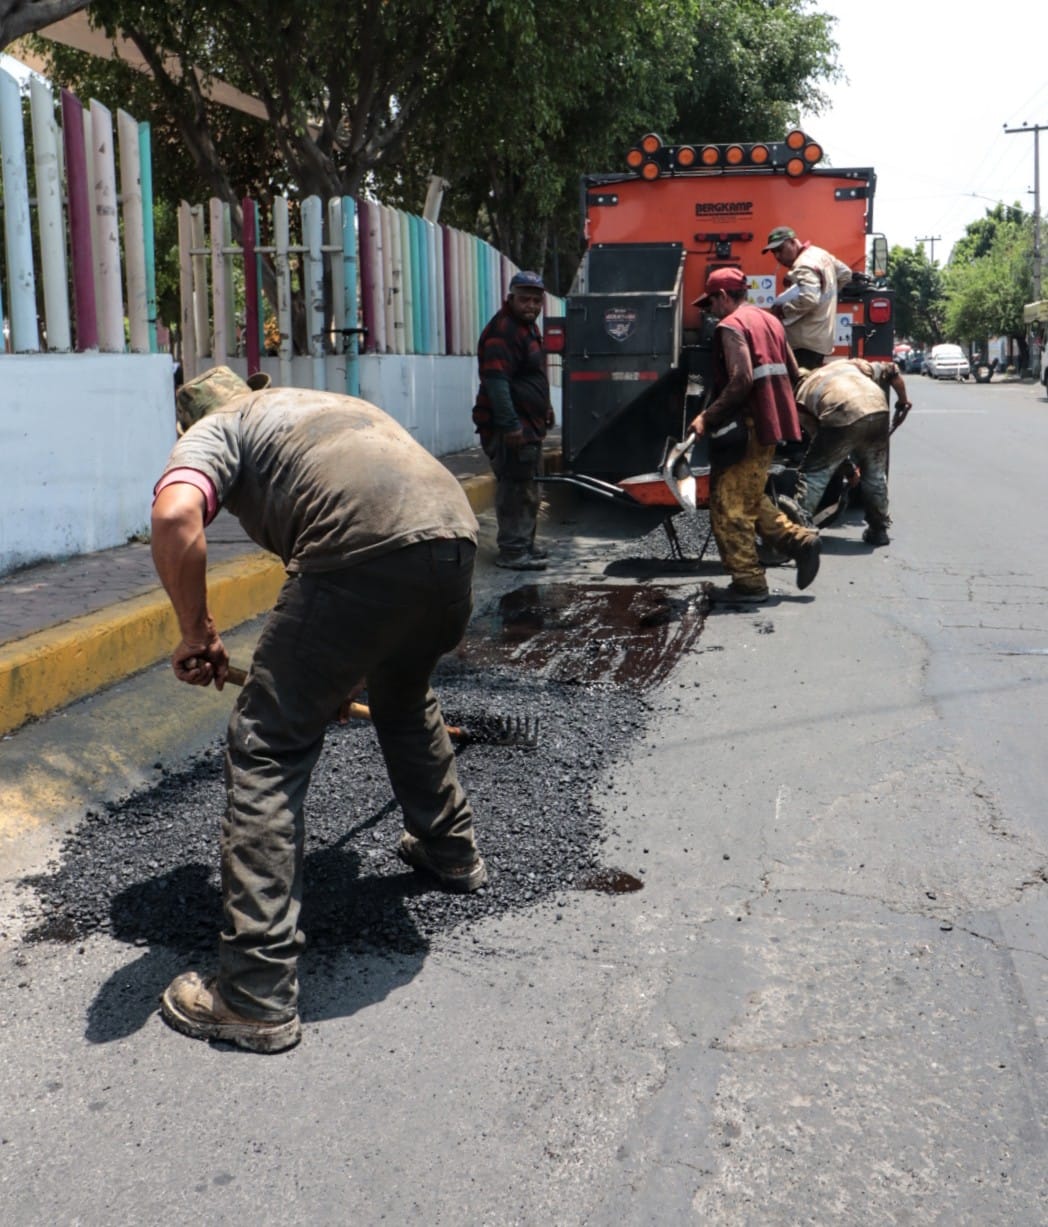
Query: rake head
(520,732)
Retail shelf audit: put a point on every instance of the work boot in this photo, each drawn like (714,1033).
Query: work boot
(195,1007)
(729,594)
(807,559)
(520,562)
(460,879)
(876,535)
(535,550)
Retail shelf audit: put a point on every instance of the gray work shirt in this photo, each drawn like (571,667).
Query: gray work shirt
(322,480)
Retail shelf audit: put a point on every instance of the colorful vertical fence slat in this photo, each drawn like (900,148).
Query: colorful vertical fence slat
(75,208)
(372,279)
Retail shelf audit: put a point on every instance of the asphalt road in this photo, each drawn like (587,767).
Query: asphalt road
(828,1003)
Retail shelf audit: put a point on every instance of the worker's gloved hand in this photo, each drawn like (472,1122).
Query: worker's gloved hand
(698,426)
(902,408)
(200,662)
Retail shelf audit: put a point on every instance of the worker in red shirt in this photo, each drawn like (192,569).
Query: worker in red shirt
(752,409)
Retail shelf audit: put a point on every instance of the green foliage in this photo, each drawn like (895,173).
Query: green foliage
(754,66)
(920,295)
(510,101)
(989,277)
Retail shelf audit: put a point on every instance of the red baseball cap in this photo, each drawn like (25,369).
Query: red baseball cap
(722,279)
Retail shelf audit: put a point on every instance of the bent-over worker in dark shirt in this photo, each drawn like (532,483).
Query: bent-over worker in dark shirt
(379,541)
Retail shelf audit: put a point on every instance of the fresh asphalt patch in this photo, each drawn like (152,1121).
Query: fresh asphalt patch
(578,658)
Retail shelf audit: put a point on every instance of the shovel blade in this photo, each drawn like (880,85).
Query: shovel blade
(678,476)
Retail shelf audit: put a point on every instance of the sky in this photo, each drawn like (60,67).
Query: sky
(930,88)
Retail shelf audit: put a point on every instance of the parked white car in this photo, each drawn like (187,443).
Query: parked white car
(947,362)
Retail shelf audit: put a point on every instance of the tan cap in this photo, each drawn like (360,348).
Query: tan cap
(212,391)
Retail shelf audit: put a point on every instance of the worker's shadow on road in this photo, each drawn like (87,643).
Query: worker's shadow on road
(362,939)
(844,546)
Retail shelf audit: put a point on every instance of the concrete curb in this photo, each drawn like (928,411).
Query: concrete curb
(53,667)
(42,672)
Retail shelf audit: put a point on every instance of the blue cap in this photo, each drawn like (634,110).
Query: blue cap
(526,281)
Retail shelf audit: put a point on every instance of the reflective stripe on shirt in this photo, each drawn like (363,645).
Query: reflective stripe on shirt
(769,369)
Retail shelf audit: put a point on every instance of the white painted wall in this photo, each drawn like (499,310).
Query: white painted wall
(82,439)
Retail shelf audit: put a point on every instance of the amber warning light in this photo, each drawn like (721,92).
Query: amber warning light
(651,157)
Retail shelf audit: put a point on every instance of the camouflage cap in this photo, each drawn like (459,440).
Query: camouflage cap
(210,392)
(780,235)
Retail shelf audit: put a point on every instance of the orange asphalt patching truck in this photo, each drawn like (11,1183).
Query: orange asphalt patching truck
(637,354)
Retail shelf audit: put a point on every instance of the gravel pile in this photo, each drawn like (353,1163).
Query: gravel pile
(145,869)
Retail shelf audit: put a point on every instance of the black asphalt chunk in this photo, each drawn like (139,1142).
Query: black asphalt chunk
(146,871)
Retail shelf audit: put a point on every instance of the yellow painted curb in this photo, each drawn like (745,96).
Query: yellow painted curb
(53,667)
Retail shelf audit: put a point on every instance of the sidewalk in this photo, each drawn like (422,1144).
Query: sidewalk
(70,628)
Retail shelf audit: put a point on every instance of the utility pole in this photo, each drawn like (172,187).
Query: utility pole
(929,238)
(1036,129)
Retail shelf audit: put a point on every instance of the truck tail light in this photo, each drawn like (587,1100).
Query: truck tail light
(686,156)
(651,143)
(710,155)
(795,140)
(634,158)
(759,155)
(796,167)
(649,171)
(812,153)
(879,311)
(734,155)
(553,334)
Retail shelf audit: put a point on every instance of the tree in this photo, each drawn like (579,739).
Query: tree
(754,65)
(920,296)
(21,17)
(578,84)
(989,278)
(509,100)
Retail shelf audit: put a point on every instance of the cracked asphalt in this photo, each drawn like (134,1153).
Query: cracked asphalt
(827,1004)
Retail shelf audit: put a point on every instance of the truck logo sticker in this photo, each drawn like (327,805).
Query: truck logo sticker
(724,208)
(620,323)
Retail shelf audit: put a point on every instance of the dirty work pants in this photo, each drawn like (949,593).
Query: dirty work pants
(388,619)
(809,358)
(867,441)
(516,471)
(739,509)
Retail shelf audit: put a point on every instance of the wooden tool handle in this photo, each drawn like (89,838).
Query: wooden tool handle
(359,711)
(239,676)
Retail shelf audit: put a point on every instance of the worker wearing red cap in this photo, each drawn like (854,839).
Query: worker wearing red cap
(752,409)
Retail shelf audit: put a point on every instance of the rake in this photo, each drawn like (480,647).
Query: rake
(519,732)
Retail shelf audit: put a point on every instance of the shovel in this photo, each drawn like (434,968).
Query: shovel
(678,476)
(521,732)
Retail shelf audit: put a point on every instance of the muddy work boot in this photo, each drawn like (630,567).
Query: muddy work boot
(807,559)
(521,562)
(729,594)
(537,550)
(195,1007)
(876,535)
(459,879)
